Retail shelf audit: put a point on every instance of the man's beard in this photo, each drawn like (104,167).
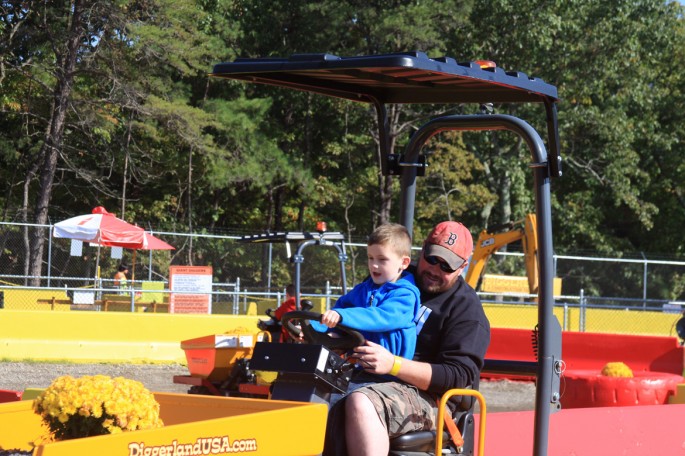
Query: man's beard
(430,283)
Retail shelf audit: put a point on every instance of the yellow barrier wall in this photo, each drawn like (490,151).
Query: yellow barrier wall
(144,337)
(107,336)
(614,321)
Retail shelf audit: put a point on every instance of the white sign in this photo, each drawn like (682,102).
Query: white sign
(191,288)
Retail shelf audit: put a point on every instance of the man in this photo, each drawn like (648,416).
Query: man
(453,336)
(120,279)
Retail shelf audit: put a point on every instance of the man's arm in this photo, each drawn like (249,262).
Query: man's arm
(461,355)
(456,366)
(415,373)
(377,360)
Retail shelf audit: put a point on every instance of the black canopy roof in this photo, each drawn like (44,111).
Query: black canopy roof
(410,77)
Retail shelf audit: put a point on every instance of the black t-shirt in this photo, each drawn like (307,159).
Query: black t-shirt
(453,336)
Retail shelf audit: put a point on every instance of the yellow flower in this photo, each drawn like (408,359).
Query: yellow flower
(616,369)
(96,405)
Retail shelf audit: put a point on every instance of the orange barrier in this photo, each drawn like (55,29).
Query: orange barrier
(584,388)
(10,395)
(591,351)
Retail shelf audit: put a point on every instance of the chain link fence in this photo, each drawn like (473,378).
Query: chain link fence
(81,277)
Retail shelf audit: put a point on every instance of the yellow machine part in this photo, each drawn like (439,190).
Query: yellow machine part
(493,283)
(194,424)
(489,243)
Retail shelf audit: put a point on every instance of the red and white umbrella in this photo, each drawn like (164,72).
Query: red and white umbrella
(103,228)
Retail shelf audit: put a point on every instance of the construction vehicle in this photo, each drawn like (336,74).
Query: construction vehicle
(414,78)
(220,364)
(492,239)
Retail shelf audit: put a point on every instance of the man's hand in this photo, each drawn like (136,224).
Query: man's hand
(374,358)
(330,318)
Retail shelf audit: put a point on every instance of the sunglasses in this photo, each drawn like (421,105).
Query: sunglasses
(433,260)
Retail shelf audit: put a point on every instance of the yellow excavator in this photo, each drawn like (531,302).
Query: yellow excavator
(492,239)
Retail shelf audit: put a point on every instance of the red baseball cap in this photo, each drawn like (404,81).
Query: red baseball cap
(450,241)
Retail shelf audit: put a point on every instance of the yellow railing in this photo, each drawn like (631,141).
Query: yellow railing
(441,417)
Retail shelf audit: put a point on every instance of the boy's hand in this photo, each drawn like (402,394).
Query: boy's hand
(330,318)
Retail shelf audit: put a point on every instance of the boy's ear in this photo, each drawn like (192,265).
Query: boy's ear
(405,262)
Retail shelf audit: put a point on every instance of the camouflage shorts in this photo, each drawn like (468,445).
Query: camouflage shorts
(401,407)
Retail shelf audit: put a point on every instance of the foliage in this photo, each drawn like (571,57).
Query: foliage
(453,186)
(608,61)
(72,408)
(114,107)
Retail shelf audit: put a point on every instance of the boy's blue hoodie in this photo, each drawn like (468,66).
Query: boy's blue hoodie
(384,314)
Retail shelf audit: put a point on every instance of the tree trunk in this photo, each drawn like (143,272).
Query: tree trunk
(385,183)
(505,198)
(30,175)
(124,181)
(66,64)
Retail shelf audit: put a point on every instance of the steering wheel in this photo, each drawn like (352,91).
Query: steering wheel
(270,313)
(349,338)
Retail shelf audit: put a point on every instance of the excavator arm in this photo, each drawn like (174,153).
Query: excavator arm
(490,241)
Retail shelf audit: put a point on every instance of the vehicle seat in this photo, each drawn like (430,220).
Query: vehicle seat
(422,442)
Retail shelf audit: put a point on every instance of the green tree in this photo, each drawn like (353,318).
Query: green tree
(606,59)
(109,103)
(617,66)
(124,105)
(281,28)
(46,44)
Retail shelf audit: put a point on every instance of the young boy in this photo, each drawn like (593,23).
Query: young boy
(383,306)
(286,306)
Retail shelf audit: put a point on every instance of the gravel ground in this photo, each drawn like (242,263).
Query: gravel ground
(156,377)
(501,395)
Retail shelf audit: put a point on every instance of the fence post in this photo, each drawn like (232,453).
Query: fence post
(328,294)
(49,253)
(581,307)
(268,275)
(150,264)
(644,282)
(236,296)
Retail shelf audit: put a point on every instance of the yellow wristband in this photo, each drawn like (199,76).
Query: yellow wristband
(396,364)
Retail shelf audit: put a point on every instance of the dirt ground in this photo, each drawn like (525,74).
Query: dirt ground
(502,395)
